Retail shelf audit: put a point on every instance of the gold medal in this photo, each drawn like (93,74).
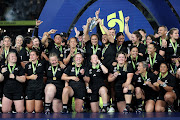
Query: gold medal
(54,78)
(102,58)
(61,55)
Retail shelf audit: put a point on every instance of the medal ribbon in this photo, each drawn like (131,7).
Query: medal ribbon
(174,46)
(77,70)
(54,71)
(152,62)
(34,67)
(11,70)
(163,75)
(104,49)
(134,66)
(95,50)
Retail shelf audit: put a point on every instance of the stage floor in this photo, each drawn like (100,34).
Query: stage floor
(95,116)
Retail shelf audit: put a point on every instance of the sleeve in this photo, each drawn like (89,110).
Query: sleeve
(142,49)
(26,68)
(130,68)
(67,70)
(86,71)
(171,81)
(153,78)
(21,71)
(36,29)
(111,69)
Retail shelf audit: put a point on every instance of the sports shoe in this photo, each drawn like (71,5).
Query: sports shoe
(111,109)
(171,108)
(139,110)
(64,111)
(104,110)
(126,110)
(47,112)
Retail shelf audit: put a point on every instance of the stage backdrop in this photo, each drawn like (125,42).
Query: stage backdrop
(63,14)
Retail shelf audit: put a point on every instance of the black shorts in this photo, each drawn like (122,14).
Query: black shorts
(79,92)
(14,96)
(94,96)
(59,91)
(119,95)
(35,94)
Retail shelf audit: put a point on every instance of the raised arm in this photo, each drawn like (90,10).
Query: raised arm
(110,38)
(86,30)
(44,40)
(126,29)
(38,22)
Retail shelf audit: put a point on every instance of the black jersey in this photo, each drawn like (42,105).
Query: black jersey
(12,85)
(71,70)
(141,47)
(158,42)
(40,49)
(135,62)
(89,51)
(140,81)
(122,77)
(67,52)
(38,83)
(53,48)
(170,80)
(155,62)
(108,54)
(173,68)
(24,54)
(173,49)
(58,73)
(122,47)
(96,77)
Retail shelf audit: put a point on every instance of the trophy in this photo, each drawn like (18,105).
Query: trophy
(92,24)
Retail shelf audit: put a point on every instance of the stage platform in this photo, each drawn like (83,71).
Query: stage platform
(92,116)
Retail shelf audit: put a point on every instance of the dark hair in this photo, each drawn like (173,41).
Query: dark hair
(27,40)
(120,52)
(112,29)
(119,34)
(141,30)
(36,52)
(134,47)
(94,35)
(138,35)
(56,35)
(81,33)
(151,36)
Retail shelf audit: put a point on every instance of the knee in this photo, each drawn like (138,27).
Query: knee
(159,109)
(38,110)
(103,90)
(66,90)
(167,96)
(20,110)
(149,109)
(5,110)
(29,110)
(78,110)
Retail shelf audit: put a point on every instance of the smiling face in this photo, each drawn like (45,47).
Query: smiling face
(12,58)
(104,39)
(134,52)
(121,59)
(163,68)
(78,59)
(94,39)
(53,60)
(151,49)
(19,41)
(162,31)
(36,42)
(73,42)
(120,40)
(58,39)
(94,59)
(134,39)
(33,56)
(175,34)
(140,68)
(148,40)
(7,42)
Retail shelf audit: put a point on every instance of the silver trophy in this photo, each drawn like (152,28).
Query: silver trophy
(92,24)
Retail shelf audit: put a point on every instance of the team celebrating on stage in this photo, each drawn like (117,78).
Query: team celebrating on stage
(98,73)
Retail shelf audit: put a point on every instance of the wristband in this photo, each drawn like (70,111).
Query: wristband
(164,85)
(87,87)
(100,64)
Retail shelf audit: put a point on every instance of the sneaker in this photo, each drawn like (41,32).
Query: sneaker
(47,112)
(126,110)
(139,110)
(104,110)
(171,108)
(64,111)
(111,109)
